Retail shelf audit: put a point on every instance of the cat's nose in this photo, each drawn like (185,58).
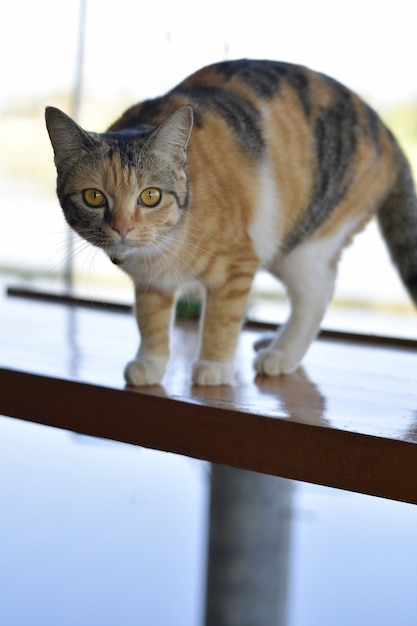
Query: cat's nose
(122,229)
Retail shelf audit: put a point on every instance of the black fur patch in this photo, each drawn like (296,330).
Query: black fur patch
(411,283)
(148,112)
(241,115)
(265,78)
(374,128)
(262,76)
(335,135)
(127,143)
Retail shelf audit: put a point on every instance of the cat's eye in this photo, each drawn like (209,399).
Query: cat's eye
(150,197)
(94,198)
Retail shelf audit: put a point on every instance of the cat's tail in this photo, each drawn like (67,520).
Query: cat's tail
(397,219)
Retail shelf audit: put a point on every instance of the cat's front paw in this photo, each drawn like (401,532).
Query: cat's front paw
(274,362)
(145,371)
(212,373)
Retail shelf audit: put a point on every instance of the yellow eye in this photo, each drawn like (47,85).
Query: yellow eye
(150,197)
(94,198)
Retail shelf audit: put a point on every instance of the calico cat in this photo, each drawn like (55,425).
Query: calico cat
(245,164)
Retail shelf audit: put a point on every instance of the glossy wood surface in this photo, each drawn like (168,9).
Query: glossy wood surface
(347,418)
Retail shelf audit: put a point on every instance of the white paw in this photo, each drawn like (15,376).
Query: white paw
(145,371)
(275,362)
(212,373)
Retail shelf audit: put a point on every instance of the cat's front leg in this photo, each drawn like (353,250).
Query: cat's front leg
(153,313)
(224,312)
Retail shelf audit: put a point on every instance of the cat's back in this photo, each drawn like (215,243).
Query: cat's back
(260,99)
(255,80)
(228,86)
(236,90)
(317,144)
(293,92)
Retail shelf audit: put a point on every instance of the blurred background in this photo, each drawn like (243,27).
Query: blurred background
(93,59)
(94,532)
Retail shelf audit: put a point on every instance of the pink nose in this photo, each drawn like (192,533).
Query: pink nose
(122,229)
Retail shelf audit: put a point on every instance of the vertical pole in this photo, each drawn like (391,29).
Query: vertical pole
(79,60)
(248,555)
(76,101)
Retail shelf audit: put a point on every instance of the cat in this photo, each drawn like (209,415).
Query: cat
(244,165)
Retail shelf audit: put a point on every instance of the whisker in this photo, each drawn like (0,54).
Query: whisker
(194,273)
(164,247)
(189,248)
(69,249)
(148,264)
(197,229)
(189,244)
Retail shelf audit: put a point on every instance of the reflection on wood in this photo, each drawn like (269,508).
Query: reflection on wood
(249,544)
(347,418)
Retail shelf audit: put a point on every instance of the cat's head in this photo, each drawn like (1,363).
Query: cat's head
(122,191)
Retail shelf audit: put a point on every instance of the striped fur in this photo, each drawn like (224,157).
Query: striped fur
(260,164)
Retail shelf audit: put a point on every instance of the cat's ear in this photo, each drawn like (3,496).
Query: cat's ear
(172,135)
(67,138)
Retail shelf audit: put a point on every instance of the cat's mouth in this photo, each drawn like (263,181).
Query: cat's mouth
(118,254)
(117,259)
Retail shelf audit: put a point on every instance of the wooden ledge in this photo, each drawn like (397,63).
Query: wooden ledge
(346,419)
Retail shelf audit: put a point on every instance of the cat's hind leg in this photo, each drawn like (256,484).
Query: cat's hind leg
(309,273)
